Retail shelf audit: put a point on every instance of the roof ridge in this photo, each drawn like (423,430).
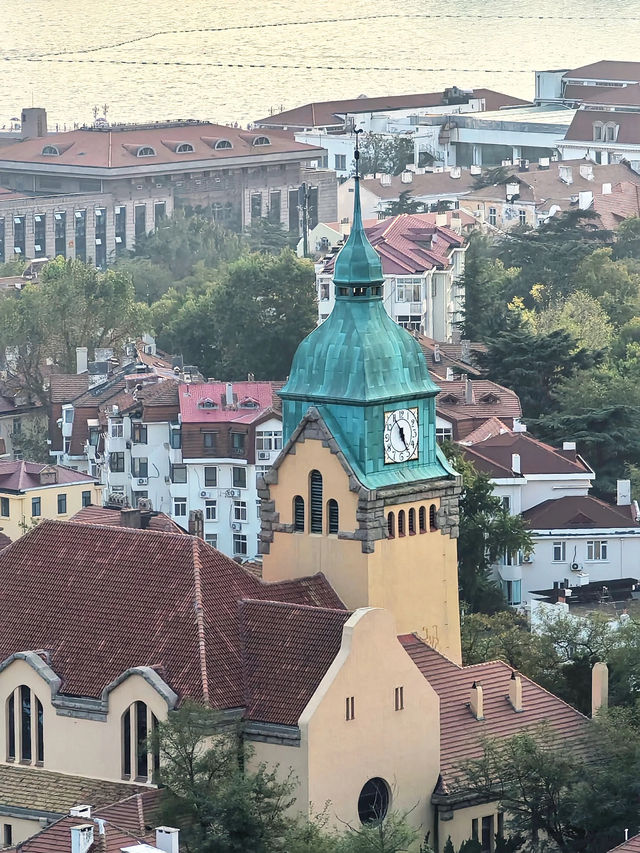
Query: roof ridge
(202,647)
(431,648)
(291,605)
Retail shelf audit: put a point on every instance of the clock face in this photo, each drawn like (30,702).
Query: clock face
(401,435)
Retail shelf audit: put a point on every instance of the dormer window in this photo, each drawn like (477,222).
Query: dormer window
(207,403)
(449,398)
(248,403)
(223,143)
(184,148)
(50,151)
(262,140)
(611,132)
(597,131)
(489,398)
(146,151)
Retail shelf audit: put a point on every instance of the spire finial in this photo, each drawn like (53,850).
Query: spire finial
(356,153)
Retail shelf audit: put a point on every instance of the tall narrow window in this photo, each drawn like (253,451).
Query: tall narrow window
(298,514)
(11,727)
(350,708)
(25,723)
(422,519)
(60,234)
(126,743)
(401,523)
(332,516)
(391,525)
(412,521)
(315,488)
(399,698)
(39,731)
(141,740)
(433,525)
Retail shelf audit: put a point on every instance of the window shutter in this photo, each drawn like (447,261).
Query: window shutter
(316,502)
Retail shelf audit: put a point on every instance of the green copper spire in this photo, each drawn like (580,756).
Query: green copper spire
(358,264)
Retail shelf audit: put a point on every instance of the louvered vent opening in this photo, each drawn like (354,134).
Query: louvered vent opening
(316,501)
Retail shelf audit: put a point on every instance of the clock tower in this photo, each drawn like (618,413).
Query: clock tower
(361,490)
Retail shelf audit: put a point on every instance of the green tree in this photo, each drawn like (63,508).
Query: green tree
(487,531)
(611,283)
(490,177)
(389,155)
(266,236)
(627,243)
(32,442)
(150,281)
(488,286)
(13,267)
(71,305)
(534,366)
(391,835)
(405,203)
(579,314)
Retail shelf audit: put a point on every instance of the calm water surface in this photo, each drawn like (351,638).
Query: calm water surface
(165,59)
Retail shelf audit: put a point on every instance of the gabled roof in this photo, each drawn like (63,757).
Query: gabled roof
(73,589)
(440,356)
(427,184)
(488,399)
(581,128)
(65,387)
(157,521)
(632,845)
(55,793)
(460,733)
(137,814)
(492,426)
(606,69)
(612,95)
(117,148)
(19,476)
(494,456)
(206,402)
(410,243)
(56,838)
(613,208)
(579,513)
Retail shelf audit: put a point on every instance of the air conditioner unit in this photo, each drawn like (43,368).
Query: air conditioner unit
(232,493)
(527,558)
(575,567)
(204,494)
(263,454)
(142,481)
(236,526)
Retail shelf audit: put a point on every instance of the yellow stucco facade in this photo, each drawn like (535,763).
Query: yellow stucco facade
(414,575)
(17,509)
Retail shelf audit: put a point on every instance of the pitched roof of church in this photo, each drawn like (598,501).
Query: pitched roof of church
(461,733)
(101,600)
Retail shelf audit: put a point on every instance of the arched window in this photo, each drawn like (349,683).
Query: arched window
(50,151)
(315,501)
(412,521)
(422,519)
(332,516)
(262,140)
(140,756)
(146,151)
(433,524)
(401,524)
(185,148)
(25,726)
(298,514)
(391,525)
(223,143)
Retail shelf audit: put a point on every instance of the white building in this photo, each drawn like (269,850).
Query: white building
(423,262)
(578,539)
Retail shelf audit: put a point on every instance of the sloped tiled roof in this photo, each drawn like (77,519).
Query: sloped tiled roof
(192,398)
(136,814)
(427,184)
(579,512)
(613,95)
(491,427)
(581,128)
(606,69)
(160,522)
(460,732)
(632,845)
(614,207)
(494,456)
(43,790)
(56,838)
(19,475)
(75,588)
(449,355)
(409,243)
(287,650)
(65,387)
(488,399)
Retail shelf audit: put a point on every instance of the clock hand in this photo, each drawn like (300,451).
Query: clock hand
(404,440)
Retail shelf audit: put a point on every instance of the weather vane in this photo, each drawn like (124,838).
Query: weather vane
(356,153)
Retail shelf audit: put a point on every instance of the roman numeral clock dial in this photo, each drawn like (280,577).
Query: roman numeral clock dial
(401,438)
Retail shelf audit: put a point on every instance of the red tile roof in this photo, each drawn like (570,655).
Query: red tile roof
(488,429)
(614,95)
(494,456)
(632,845)
(137,814)
(410,243)
(19,475)
(159,521)
(117,148)
(614,207)
(579,513)
(287,650)
(65,387)
(460,732)
(331,113)
(488,399)
(193,396)
(606,69)
(581,127)
(76,590)
(56,838)
(428,184)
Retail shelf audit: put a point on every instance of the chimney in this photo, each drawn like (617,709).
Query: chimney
(131,518)
(196,523)
(456,223)
(441,220)
(569,450)
(436,353)
(599,687)
(477,701)
(515,463)
(168,839)
(585,199)
(449,374)
(81,838)
(82,359)
(468,390)
(586,171)
(565,173)
(623,493)
(33,122)
(80,811)
(465,350)
(543,163)
(229,394)
(515,691)
(606,189)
